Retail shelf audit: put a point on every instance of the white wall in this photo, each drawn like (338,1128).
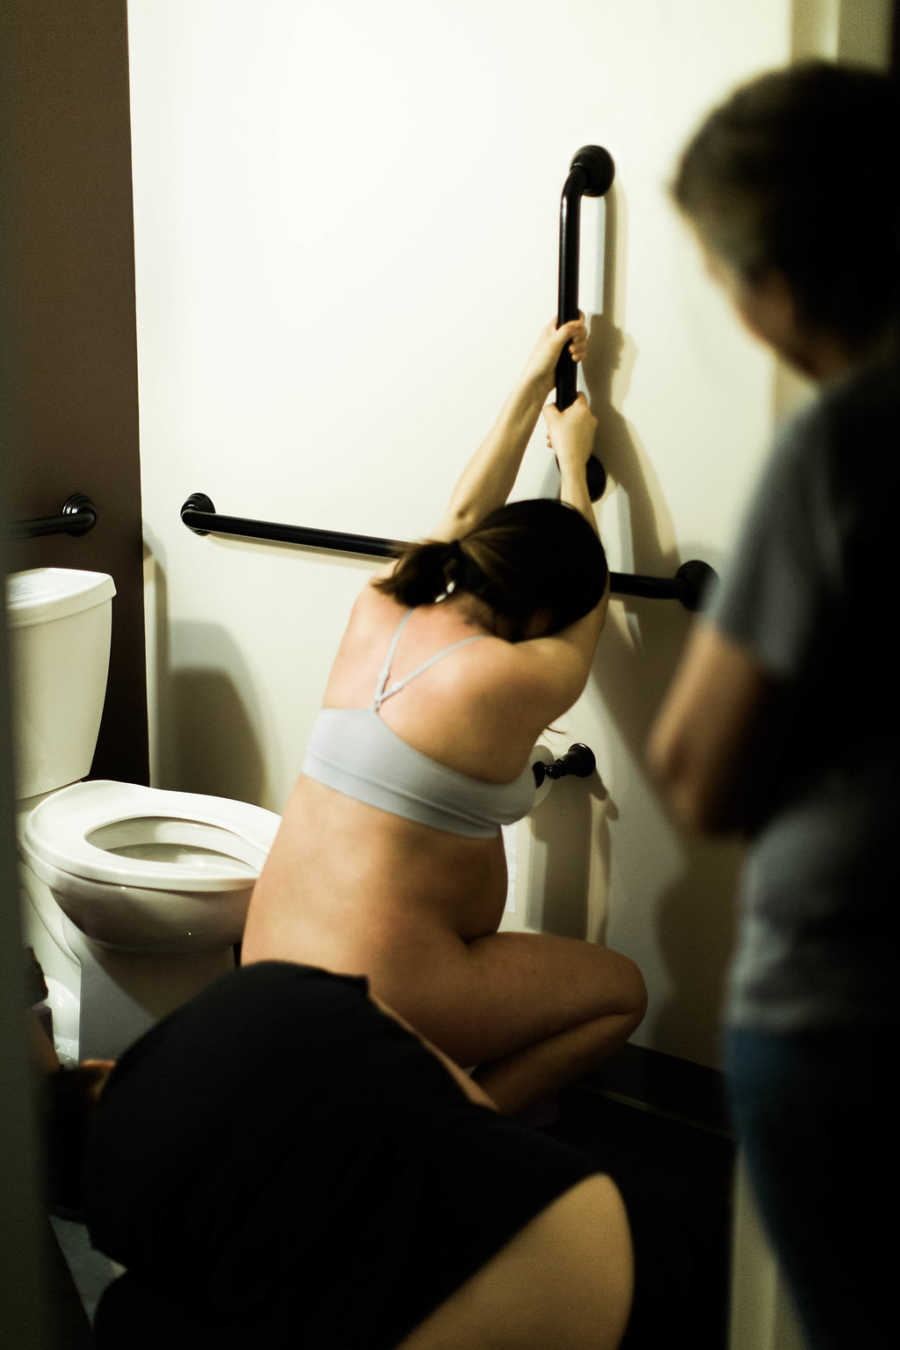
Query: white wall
(346,223)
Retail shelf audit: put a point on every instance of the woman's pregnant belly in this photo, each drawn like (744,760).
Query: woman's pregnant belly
(345,883)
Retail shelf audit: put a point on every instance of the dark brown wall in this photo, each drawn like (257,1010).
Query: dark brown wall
(70,261)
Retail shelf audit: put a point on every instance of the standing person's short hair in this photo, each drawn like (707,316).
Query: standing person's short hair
(797,171)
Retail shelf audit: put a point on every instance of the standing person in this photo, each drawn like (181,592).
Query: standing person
(783,721)
(389,861)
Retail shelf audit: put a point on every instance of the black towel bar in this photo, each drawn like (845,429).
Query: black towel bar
(198,513)
(77,515)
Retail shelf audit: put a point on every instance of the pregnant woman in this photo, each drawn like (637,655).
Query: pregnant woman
(389,861)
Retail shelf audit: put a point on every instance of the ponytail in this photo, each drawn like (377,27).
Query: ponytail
(425,571)
(519,559)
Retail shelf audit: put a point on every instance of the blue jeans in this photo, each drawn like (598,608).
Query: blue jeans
(819,1137)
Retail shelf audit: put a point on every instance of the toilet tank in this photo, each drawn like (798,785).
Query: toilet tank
(59,623)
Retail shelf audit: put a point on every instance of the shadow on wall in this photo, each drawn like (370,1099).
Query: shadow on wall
(561,861)
(204,709)
(568,860)
(214,745)
(696,918)
(637,658)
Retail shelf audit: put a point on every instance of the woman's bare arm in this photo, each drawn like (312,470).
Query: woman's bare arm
(488,478)
(563,662)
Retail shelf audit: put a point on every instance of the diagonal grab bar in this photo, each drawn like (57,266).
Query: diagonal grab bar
(198,514)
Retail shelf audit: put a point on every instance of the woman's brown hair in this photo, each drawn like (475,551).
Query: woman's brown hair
(521,558)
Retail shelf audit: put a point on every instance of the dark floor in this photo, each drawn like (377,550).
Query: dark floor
(673,1163)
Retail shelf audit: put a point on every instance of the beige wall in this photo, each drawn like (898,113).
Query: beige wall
(346,225)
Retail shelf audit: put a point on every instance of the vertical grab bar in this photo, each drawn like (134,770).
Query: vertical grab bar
(590,175)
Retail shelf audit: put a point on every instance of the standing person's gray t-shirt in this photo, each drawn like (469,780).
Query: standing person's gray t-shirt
(810,592)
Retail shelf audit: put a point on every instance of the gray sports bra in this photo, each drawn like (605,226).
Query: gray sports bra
(354,752)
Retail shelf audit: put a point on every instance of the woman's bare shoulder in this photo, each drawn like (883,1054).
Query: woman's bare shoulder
(509,679)
(548,671)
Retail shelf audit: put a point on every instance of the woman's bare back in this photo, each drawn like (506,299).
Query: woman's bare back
(348,884)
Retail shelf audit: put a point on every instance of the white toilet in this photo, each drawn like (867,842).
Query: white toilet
(133,897)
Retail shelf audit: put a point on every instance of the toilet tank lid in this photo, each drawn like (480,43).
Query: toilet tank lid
(46,593)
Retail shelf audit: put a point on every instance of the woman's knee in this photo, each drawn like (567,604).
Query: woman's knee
(633,989)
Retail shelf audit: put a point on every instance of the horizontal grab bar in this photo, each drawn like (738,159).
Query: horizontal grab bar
(198,513)
(77,515)
(688,585)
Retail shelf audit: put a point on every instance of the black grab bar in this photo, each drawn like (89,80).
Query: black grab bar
(198,514)
(77,515)
(590,175)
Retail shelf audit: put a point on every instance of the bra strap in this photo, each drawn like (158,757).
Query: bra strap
(388,660)
(381,694)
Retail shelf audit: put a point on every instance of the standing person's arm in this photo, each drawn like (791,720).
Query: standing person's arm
(719,740)
(699,748)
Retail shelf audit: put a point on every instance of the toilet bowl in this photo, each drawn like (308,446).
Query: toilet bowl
(132,897)
(141,869)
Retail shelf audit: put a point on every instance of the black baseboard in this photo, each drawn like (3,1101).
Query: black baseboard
(666,1086)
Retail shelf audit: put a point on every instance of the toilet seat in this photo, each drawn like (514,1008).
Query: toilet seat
(214,843)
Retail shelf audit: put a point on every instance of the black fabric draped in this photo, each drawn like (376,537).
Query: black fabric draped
(279,1158)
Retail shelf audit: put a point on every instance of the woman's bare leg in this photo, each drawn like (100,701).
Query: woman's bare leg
(565,1280)
(524,1077)
(534,1011)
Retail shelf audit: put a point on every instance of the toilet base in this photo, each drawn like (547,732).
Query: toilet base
(119,995)
(123,994)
